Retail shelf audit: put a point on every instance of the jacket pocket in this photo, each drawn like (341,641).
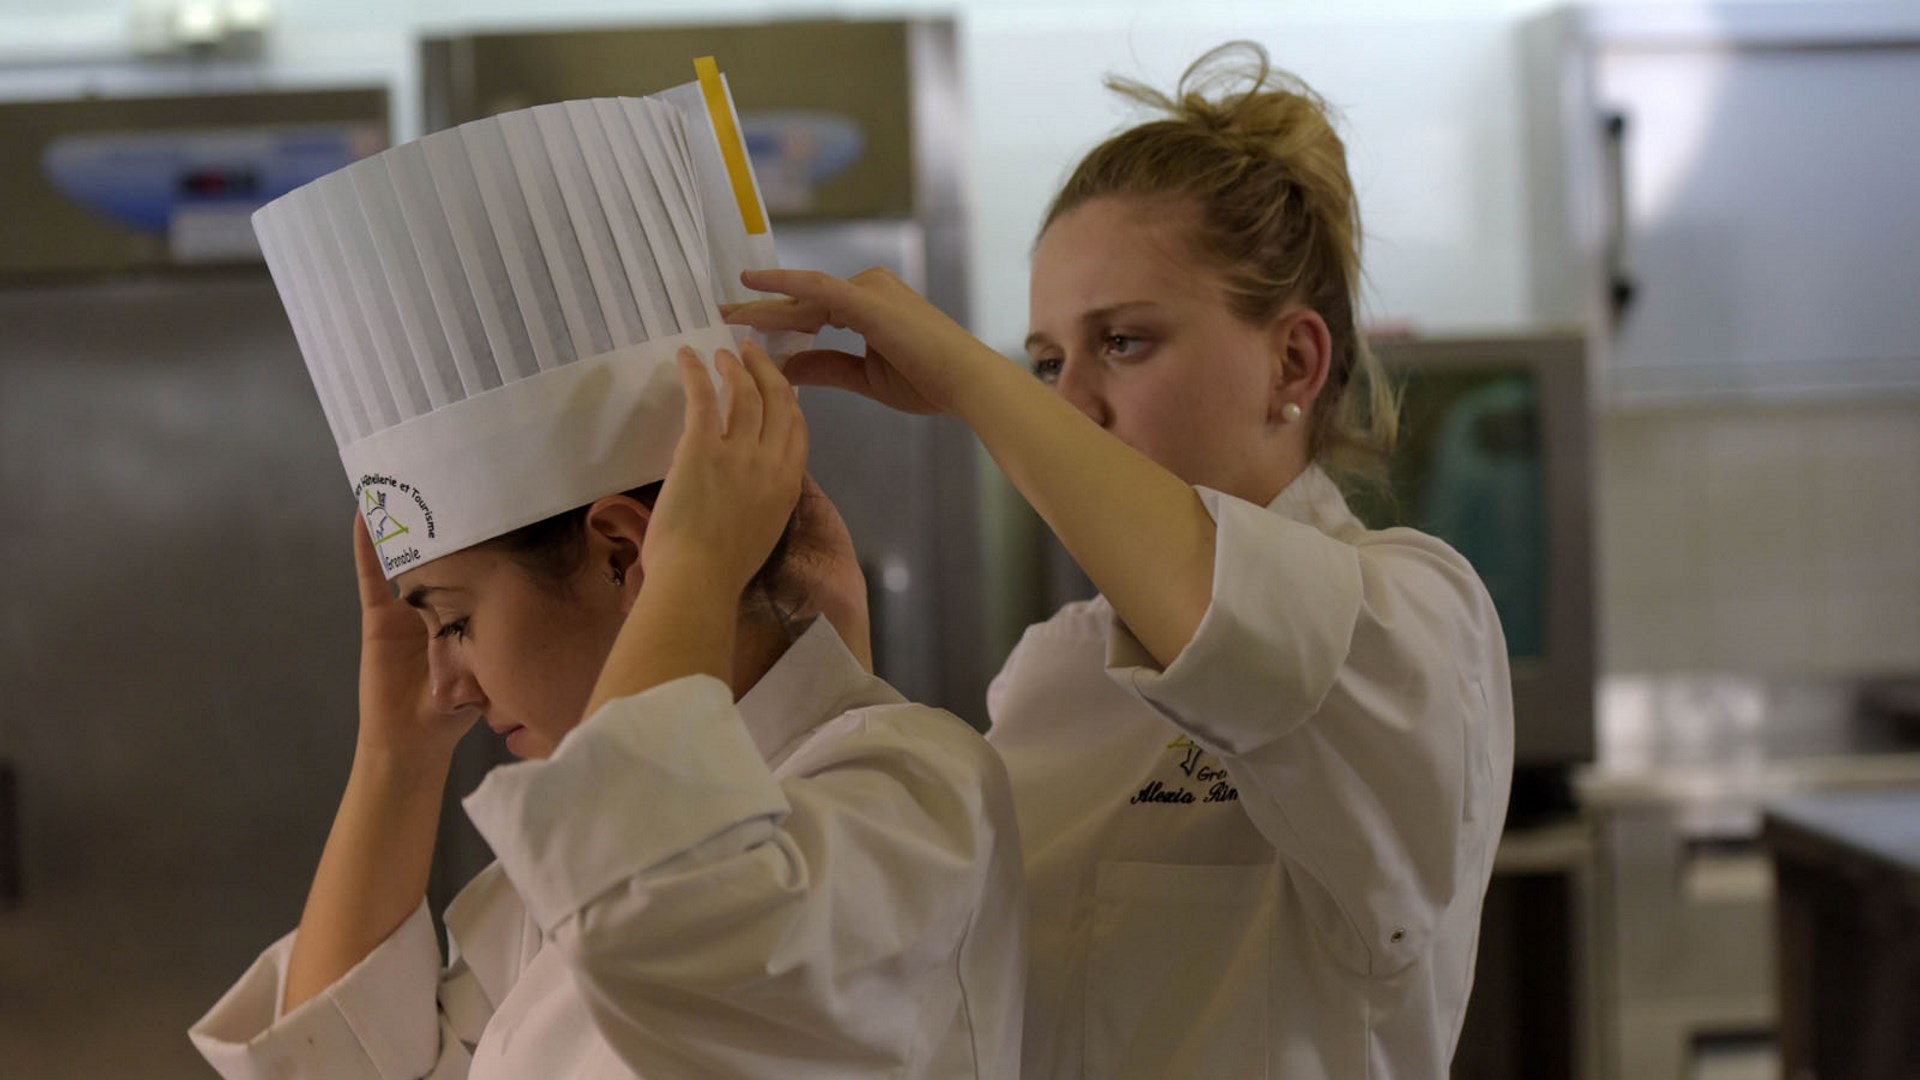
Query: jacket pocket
(1177,971)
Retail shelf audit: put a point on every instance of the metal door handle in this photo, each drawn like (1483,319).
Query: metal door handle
(1620,284)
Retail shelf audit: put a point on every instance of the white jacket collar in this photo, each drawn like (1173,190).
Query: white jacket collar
(1314,499)
(814,681)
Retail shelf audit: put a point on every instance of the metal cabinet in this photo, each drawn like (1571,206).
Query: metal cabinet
(1683,912)
(1723,195)
(178,648)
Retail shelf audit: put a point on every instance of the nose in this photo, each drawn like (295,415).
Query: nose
(451,682)
(1079,383)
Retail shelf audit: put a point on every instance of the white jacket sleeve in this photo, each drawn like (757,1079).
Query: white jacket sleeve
(1357,694)
(722,921)
(380,1021)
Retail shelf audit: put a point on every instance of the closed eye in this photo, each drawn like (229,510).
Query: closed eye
(456,628)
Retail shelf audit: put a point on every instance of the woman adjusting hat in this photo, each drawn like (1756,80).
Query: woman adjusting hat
(731,850)
(1261,778)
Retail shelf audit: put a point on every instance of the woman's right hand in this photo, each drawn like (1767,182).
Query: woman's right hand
(917,360)
(836,588)
(397,713)
(380,853)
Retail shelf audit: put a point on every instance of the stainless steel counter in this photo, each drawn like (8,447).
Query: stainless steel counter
(1713,749)
(1682,904)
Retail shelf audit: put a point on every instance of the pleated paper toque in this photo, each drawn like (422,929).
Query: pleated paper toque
(490,314)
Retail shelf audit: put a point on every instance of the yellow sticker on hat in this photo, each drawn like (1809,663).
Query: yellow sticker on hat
(733,149)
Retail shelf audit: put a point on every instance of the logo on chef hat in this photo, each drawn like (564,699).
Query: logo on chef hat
(380,520)
(397,517)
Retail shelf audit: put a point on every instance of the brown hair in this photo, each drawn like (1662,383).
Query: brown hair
(553,549)
(1254,150)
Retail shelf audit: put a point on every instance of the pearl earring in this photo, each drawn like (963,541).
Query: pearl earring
(1289,412)
(619,577)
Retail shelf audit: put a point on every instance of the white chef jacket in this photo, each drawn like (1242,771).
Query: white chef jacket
(823,881)
(1267,859)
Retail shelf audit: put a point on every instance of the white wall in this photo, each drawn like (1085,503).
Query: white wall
(1781,538)
(1430,121)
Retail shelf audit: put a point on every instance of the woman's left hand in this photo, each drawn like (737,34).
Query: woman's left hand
(917,361)
(735,476)
(835,585)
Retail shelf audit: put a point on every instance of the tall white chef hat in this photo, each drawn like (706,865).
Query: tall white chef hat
(490,314)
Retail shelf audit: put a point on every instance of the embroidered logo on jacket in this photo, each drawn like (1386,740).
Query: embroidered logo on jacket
(1210,780)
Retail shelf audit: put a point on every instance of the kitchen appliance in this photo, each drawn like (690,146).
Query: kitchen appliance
(1495,457)
(178,644)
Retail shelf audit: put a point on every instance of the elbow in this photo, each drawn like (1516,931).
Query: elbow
(724,924)
(1179,622)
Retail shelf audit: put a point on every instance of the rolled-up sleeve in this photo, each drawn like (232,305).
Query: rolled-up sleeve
(722,921)
(1275,636)
(380,1021)
(1356,692)
(645,780)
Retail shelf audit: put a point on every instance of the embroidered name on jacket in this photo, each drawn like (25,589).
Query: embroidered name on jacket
(1200,780)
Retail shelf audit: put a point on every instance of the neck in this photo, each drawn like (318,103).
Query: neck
(758,644)
(1267,486)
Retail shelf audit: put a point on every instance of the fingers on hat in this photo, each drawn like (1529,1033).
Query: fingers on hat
(775,315)
(829,368)
(703,404)
(777,395)
(765,373)
(744,407)
(818,294)
(374,589)
(798,437)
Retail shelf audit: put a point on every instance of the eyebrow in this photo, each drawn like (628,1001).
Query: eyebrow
(417,596)
(1097,315)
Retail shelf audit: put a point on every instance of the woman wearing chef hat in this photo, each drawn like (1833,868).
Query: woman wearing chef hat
(731,850)
(1260,779)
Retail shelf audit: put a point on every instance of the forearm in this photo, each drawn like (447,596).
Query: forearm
(374,869)
(680,625)
(1141,533)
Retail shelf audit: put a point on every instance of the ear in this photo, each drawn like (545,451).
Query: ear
(1301,348)
(616,531)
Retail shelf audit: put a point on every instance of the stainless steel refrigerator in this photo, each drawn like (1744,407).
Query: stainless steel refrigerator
(178,659)
(178,638)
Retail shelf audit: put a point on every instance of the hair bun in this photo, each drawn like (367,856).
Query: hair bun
(1234,90)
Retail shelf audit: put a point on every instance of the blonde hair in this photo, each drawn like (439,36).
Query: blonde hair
(1254,150)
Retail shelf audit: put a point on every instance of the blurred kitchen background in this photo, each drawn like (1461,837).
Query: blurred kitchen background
(1651,273)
